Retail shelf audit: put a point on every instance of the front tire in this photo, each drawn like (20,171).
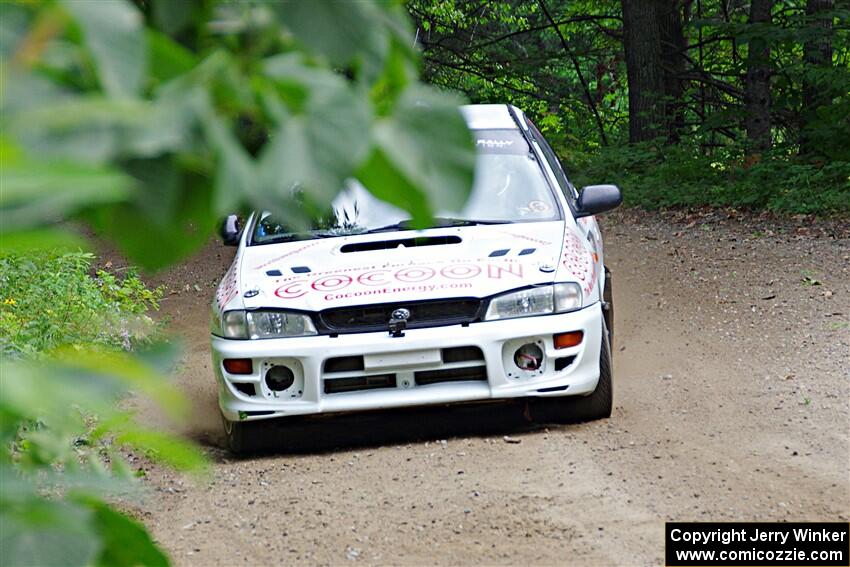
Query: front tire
(244,437)
(598,405)
(608,305)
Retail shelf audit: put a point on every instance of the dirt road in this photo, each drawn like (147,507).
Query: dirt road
(732,394)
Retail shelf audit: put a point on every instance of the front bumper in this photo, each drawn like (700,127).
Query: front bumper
(401,365)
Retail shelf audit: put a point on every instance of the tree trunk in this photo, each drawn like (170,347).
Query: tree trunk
(757,87)
(673,47)
(817,53)
(644,66)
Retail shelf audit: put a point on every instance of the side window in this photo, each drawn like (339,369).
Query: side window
(548,153)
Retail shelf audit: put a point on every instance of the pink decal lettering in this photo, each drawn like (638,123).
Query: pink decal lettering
(291,290)
(460,272)
(495,272)
(415,274)
(331,283)
(371,278)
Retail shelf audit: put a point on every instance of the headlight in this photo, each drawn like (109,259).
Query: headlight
(543,300)
(265,325)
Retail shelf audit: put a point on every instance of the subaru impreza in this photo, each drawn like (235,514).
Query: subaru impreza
(506,298)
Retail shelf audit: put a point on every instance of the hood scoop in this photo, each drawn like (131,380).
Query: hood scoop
(400,243)
(504,251)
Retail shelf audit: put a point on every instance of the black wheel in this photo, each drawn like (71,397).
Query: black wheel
(597,405)
(245,436)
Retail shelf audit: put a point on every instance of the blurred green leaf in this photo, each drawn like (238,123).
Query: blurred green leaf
(319,149)
(168,59)
(124,541)
(173,16)
(97,129)
(296,80)
(13,20)
(236,178)
(128,371)
(164,448)
(425,147)
(388,183)
(22,91)
(44,532)
(114,33)
(398,72)
(362,39)
(170,215)
(36,193)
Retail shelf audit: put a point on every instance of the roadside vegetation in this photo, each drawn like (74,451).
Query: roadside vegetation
(680,103)
(51,300)
(658,176)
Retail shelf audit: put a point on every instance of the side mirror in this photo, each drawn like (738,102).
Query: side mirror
(595,199)
(231,230)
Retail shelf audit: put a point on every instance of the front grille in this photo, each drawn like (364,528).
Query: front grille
(451,375)
(462,354)
(339,385)
(364,318)
(344,364)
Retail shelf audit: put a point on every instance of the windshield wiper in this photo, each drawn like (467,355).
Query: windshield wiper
(439,222)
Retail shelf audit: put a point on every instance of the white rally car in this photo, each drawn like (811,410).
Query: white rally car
(507,298)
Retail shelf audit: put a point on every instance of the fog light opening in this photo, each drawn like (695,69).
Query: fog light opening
(279,378)
(528,357)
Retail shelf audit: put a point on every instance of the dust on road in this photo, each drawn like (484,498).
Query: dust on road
(732,402)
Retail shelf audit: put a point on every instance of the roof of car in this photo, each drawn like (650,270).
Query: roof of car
(487,116)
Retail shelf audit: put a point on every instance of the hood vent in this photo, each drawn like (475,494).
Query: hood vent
(400,243)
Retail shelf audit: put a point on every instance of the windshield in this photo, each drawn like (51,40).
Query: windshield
(509,187)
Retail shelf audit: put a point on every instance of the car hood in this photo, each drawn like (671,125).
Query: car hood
(476,261)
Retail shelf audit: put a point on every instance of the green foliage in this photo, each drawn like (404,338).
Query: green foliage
(164,138)
(149,121)
(500,51)
(656,176)
(62,428)
(47,301)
